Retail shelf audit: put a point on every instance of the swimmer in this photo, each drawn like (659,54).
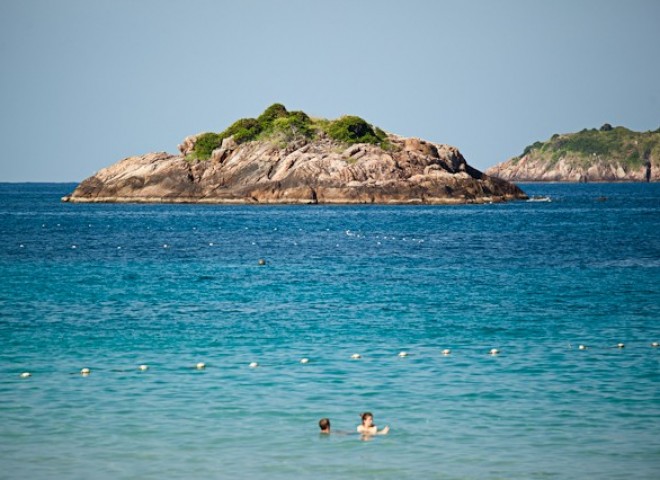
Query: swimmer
(324,425)
(368,427)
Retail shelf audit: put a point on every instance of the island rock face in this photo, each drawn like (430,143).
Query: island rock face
(306,166)
(605,155)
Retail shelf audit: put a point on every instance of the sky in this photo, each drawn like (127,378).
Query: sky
(85,83)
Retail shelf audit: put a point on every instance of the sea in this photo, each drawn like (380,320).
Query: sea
(550,310)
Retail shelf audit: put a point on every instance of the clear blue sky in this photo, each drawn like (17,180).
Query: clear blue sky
(85,83)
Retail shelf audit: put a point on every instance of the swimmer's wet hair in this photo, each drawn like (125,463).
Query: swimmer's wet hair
(324,423)
(365,415)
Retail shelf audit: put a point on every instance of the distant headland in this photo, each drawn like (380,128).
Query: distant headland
(609,154)
(285,157)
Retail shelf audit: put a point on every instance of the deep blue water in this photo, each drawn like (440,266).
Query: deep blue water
(110,287)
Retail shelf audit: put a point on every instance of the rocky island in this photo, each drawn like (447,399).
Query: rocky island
(609,154)
(288,157)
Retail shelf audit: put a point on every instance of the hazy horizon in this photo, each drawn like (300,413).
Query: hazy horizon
(86,84)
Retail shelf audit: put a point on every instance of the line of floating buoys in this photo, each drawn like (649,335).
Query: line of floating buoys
(356,356)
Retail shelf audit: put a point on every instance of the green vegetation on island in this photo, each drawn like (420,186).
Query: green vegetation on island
(278,124)
(607,145)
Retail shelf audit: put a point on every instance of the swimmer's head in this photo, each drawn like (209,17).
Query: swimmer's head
(367,417)
(324,424)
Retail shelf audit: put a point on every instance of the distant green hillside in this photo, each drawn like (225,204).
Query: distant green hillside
(609,154)
(615,145)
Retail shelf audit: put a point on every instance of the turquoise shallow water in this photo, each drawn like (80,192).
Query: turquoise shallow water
(110,287)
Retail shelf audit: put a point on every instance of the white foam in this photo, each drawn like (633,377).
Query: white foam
(538,198)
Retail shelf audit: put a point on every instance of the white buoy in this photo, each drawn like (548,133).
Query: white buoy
(85,371)
(143,368)
(403,354)
(25,375)
(582,347)
(200,366)
(210,244)
(254,365)
(165,245)
(356,356)
(620,345)
(21,246)
(73,246)
(304,360)
(655,344)
(494,351)
(446,351)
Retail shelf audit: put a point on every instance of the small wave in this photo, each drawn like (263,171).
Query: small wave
(205,278)
(539,198)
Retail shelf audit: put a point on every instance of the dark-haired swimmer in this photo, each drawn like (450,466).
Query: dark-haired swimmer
(324,425)
(368,428)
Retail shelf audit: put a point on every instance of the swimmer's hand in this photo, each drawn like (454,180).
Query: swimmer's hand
(385,430)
